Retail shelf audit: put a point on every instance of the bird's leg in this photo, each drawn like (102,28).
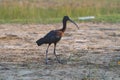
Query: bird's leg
(55,53)
(46,54)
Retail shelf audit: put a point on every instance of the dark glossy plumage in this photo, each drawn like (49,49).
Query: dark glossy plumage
(54,36)
(51,37)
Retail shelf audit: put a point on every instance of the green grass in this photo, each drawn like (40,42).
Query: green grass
(52,11)
(115,18)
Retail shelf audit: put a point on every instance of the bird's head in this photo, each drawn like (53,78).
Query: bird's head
(66,18)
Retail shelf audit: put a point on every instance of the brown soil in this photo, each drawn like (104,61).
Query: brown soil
(90,53)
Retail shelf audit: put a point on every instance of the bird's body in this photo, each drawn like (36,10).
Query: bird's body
(54,36)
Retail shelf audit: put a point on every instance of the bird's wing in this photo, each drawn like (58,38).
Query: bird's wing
(50,34)
(52,37)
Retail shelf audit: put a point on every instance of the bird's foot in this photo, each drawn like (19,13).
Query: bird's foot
(46,61)
(62,61)
(59,61)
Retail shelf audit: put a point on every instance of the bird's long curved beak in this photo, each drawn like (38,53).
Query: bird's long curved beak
(74,23)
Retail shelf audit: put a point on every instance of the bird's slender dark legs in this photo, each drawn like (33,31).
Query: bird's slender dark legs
(46,54)
(46,60)
(55,53)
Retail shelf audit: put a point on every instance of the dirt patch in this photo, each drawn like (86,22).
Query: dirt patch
(92,52)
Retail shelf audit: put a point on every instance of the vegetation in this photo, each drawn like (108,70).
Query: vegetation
(51,11)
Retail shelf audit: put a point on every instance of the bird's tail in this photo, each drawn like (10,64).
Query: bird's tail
(40,41)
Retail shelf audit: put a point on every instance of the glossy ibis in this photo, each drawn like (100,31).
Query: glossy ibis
(54,37)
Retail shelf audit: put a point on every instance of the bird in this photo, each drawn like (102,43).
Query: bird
(53,37)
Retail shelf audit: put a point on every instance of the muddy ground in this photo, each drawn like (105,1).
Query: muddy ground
(90,53)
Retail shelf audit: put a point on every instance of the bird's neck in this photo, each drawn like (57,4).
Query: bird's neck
(64,26)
